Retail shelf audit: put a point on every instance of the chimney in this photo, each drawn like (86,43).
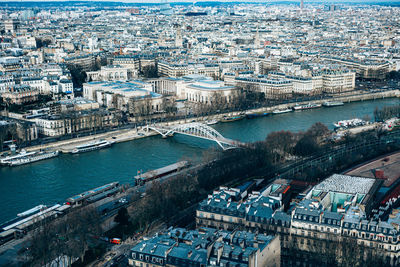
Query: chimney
(379,174)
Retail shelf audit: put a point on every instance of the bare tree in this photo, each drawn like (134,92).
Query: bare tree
(68,236)
(280,144)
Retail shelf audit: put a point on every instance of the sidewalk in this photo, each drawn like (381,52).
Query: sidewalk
(67,146)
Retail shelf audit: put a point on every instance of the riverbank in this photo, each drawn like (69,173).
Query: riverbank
(118,136)
(346,98)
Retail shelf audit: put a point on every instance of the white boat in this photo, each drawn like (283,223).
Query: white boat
(92,146)
(6,160)
(350,123)
(31,211)
(37,156)
(308,106)
(211,122)
(280,111)
(332,103)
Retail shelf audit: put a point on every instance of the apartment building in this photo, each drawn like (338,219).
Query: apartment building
(6,82)
(86,61)
(365,69)
(272,88)
(334,82)
(21,130)
(175,70)
(74,122)
(332,212)
(206,247)
(134,63)
(20,94)
(327,81)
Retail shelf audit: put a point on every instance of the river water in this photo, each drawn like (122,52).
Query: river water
(52,181)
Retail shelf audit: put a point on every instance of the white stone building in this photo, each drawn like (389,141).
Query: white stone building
(120,95)
(109,73)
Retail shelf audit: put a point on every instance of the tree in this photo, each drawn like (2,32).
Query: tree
(168,105)
(318,131)
(42,42)
(280,144)
(69,235)
(122,217)
(218,101)
(150,71)
(386,112)
(78,75)
(395,75)
(306,146)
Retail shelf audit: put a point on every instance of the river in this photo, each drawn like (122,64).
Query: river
(52,181)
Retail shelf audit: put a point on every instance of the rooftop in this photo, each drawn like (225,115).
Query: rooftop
(346,184)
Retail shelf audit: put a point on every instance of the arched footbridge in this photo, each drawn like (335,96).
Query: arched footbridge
(199,130)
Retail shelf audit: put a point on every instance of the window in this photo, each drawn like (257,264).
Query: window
(133,255)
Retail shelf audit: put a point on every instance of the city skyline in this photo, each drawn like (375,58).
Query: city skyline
(222,1)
